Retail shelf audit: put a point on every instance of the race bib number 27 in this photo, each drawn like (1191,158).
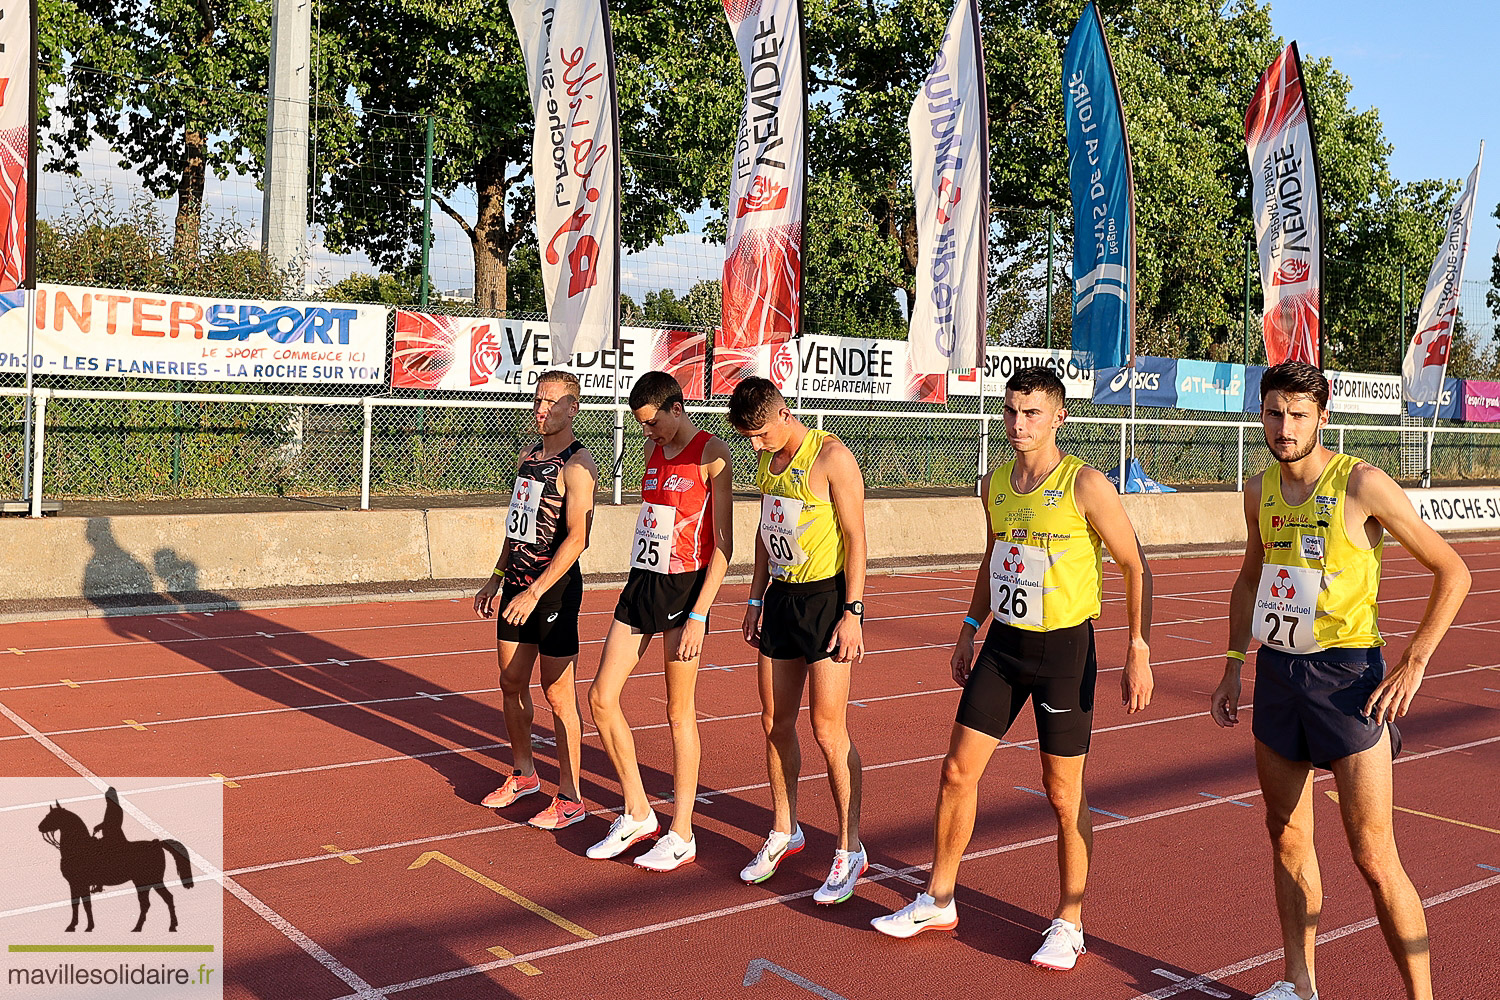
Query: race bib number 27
(652,548)
(1016,573)
(525,500)
(1286,605)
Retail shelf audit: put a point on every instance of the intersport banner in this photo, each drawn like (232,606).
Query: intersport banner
(483,354)
(762,284)
(1000,363)
(1426,358)
(570,67)
(17,99)
(1481,400)
(110,332)
(1103,189)
(949,126)
(831,368)
(1288,211)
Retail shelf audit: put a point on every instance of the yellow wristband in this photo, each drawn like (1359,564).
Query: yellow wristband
(1233,655)
(501,572)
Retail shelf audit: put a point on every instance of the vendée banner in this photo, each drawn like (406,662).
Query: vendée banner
(483,354)
(1000,363)
(949,126)
(831,368)
(95,331)
(762,301)
(1103,189)
(570,68)
(1288,211)
(17,98)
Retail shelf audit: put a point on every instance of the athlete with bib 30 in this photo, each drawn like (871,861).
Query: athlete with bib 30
(1047,516)
(1315,522)
(805,615)
(546,530)
(678,556)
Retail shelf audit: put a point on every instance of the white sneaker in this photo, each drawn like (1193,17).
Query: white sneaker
(670,852)
(922,915)
(848,866)
(777,848)
(623,833)
(1061,946)
(1282,991)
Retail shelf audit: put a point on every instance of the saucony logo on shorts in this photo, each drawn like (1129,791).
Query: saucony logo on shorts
(553,616)
(1054,711)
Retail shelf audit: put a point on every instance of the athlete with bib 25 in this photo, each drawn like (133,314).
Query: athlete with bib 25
(678,556)
(546,530)
(805,615)
(1315,522)
(1047,516)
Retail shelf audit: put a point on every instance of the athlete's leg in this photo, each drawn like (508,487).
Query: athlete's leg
(516,661)
(1286,786)
(623,648)
(780,683)
(682,713)
(558,684)
(969,751)
(1062,777)
(828,704)
(1364,783)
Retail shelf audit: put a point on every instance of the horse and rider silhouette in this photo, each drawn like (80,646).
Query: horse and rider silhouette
(90,862)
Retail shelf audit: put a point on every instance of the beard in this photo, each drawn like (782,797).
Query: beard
(1301,453)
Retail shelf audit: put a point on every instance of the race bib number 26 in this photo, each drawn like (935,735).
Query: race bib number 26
(1016,573)
(652,548)
(525,500)
(1286,605)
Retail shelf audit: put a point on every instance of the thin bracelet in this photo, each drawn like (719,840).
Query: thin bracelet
(755,602)
(1233,655)
(695,616)
(970,621)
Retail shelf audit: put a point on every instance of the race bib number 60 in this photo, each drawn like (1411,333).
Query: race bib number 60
(1286,605)
(1016,573)
(652,548)
(778,530)
(525,500)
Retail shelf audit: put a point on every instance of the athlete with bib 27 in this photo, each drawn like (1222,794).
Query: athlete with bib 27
(678,556)
(1048,517)
(1315,522)
(546,530)
(805,615)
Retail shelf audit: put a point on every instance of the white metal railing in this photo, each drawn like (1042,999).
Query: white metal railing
(368,405)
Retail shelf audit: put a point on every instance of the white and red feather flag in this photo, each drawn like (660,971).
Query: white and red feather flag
(17,98)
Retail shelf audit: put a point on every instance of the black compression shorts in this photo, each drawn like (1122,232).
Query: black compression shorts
(1055,669)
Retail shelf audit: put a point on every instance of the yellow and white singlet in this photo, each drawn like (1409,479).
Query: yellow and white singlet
(1317,586)
(1047,566)
(800,531)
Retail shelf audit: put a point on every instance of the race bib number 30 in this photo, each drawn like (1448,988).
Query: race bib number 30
(778,529)
(1286,604)
(1016,573)
(652,548)
(520,522)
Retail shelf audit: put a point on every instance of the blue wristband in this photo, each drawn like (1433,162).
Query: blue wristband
(971,621)
(755,602)
(695,616)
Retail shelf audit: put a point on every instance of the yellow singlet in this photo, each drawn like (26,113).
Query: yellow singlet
(1317,586)
(800,531)
(1047,567)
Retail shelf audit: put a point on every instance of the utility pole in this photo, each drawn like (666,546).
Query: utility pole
(284,211)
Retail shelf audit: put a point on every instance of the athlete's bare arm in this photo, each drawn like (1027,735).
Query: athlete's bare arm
(718,471)
(484,601)
(1373,494)
(760,578)
(1100,505)
(846,491)
(962,660)
(1224,703)
(579,479)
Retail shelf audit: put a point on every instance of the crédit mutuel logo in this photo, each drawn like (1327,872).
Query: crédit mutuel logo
(111,888)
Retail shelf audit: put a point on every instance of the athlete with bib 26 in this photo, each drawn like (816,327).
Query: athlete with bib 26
(546,530)
(1048,514)
(1315,522)
(678,556)
(805,615)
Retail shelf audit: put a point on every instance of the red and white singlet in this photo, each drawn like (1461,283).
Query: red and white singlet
(674,532)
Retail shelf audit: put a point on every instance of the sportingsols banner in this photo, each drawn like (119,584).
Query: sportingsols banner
(1481,400)
(949,126)
(17,98)
(1451,408)
(1155,381)
(570,67)
(1000,363)
(1426,358)
(483,354)
(831,368)
(1103,189)
(1288,211)
(94,331)
(762,284)
(1359,392)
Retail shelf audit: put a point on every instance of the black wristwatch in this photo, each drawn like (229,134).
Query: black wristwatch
(857,607)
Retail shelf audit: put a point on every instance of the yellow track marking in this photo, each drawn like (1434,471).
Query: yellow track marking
(16,651)
(1426,815)
(343,855)
(525,967)
(70,682)
(510,894)
(135,725)
(226,781)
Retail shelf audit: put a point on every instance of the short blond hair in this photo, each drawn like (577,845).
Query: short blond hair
(566,378)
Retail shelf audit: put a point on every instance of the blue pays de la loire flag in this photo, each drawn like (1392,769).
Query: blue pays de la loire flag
(1103,200)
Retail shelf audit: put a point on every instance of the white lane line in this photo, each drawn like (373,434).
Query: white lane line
(362,989)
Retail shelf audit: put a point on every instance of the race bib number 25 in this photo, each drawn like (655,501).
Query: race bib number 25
(525,500)
(1016,573)
(1286,605)
(652,548)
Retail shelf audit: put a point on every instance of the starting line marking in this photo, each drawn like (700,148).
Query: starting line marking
(1182,979)
(1426,815)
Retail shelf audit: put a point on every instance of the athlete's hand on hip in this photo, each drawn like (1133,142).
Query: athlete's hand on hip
(963,659)
(690,641)
(1392,697)
(1224,703)
(484,601)
(1136,681)
(521,606)
(751,628)
(848,642)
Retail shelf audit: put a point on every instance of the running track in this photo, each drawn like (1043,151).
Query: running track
(367,734)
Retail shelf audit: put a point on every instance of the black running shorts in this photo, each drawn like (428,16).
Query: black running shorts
(652,603)
(1055,669)
(798,619)
(1307,708)
(553,626)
